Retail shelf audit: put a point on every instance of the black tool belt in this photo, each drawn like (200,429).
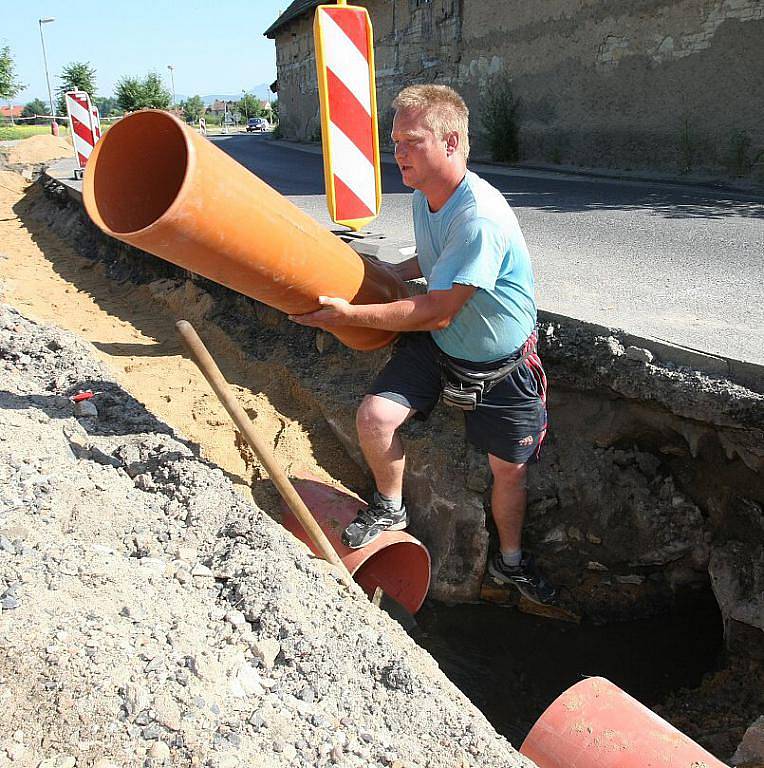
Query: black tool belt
(464,387)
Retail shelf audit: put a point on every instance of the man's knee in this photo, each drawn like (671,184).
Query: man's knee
(379,416)
(507,472)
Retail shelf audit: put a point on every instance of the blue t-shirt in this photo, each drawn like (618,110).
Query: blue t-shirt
(475,239)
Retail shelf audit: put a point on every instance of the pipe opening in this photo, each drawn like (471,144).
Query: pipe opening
(140,169)
(402,570)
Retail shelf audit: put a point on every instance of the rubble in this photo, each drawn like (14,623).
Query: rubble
(108,658)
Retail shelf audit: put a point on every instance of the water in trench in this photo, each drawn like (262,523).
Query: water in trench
(512,665)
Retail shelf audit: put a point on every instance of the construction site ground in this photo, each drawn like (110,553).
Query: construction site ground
(152,614)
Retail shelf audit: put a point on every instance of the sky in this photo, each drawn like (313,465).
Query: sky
(214,47)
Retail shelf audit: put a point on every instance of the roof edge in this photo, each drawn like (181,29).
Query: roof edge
(295,9)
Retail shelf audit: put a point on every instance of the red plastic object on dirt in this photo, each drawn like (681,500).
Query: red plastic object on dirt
(82,395)
(395,561)
(158,185)
(595,724)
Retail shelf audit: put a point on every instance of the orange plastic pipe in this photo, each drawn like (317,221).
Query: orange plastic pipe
(595,724)
(160,186)
(394,561)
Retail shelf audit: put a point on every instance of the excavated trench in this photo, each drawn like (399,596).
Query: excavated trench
(646,511)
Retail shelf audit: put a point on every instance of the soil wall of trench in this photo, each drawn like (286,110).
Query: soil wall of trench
(650,487)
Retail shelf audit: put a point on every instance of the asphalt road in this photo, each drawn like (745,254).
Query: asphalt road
(677,263)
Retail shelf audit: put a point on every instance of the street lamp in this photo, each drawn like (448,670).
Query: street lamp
(172,80)
(244,100)
(47,20)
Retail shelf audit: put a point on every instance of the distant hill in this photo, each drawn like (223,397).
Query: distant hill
(261,91)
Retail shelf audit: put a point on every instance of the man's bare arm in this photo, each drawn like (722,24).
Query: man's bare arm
(431,312)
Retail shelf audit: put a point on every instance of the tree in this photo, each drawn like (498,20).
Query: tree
(9,85)
(76,76)
(133,93)
(107,106)
(36,107)
(128,94)
(250,106)
(193,109)
(155,95)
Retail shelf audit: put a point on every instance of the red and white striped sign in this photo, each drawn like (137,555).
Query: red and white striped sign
(346,86)
(96,123)
(83,126)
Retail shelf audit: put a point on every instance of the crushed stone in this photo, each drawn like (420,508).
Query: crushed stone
(152,616)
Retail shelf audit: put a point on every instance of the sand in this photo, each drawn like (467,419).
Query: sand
(135,335)
(38,149)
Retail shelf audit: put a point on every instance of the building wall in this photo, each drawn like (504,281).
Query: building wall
(299,116)
(605,83)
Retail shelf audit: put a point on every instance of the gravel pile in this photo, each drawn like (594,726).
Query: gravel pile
(150,616)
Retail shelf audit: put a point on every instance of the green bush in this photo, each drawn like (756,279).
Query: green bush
(741,160)
(499,112)
(687,148)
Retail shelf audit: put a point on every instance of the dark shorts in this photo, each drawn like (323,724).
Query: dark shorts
(509,423)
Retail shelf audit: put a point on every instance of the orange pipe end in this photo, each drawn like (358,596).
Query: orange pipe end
(595,724)
(156,184)
(395,561)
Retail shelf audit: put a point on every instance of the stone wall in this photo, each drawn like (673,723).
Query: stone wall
(674,86)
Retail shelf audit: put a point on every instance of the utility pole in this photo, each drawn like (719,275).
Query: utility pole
(172,80)
(54,124)
(246,111)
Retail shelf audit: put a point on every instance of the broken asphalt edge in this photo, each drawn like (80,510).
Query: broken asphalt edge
(747,374)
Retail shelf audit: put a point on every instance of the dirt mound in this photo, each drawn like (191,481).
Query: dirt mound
(11,184)
(150,615)
(38,149)
(145,352)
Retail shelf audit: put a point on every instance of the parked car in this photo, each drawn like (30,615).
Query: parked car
(257,124)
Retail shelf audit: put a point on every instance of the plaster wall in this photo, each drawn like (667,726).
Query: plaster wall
(646,84)
(299,116)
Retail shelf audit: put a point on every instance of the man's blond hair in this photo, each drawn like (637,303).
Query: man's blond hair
(444,111)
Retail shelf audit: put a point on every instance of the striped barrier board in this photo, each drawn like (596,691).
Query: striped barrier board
(347,93)
(96,123)
(82,126)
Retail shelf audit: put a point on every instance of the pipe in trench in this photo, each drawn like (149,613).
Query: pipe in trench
(395,561)
(594,724)
(156,184)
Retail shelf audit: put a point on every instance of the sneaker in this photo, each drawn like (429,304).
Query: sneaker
(526,577)
(371,521)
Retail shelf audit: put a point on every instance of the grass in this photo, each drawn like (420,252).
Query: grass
(10,132)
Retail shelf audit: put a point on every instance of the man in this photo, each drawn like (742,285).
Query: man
(473,330)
